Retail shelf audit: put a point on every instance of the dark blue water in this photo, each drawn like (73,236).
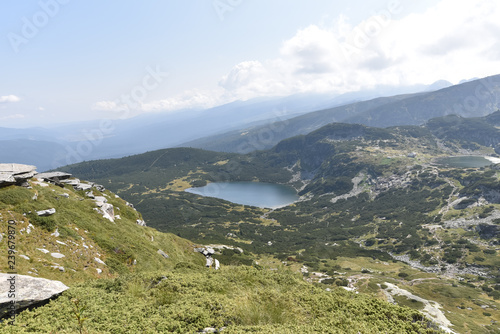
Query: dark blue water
(264,195)
(466,161)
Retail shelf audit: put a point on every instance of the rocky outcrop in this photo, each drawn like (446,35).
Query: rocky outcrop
(53,177)
(15,174)
(208,252)
(108,211)
(20,291)
(44,213)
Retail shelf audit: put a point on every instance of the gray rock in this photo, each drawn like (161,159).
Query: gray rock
(100,200)
(162,253)
(99,187)
(82,186)
(60,268)
(140,222)
(108,211)
(90,194)
(15,174)
(53,176)
(48,212)
(26,291)
(217,264)
(72,182)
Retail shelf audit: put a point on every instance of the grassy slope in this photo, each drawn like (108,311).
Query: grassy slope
(242,299)
(117,244)
(166,295)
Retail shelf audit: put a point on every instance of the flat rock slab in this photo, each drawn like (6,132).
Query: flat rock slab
(100,199)
(16,169)
(15,173)
(27,291)
(48,212)
(53,176)
(82,186)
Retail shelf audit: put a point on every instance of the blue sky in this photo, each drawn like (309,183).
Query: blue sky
(65,60)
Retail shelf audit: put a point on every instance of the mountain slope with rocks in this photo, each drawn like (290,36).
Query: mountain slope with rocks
(81,259)
(377,206)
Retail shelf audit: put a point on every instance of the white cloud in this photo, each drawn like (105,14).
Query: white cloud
(9,99)
(452,40)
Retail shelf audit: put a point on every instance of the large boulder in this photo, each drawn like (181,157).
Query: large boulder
(20,291)
(15,173)
(53,176)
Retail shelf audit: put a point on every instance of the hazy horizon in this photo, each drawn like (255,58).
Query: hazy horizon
(66,61)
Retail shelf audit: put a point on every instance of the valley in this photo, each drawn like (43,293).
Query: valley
(114,274)
(375,210)
(267,167)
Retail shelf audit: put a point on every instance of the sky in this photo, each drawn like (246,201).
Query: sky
(70,60)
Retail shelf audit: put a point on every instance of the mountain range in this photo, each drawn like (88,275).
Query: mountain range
(61,144)
(474,98)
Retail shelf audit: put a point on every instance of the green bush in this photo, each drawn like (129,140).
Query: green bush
(242,299)
(47,223)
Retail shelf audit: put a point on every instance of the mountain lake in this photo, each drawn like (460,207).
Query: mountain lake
(467,161)
(263,195)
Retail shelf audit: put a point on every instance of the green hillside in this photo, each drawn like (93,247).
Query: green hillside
(135,289)
(376,210)
(84,234)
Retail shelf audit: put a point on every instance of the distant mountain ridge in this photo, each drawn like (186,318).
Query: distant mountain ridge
(62,144)
(470,99)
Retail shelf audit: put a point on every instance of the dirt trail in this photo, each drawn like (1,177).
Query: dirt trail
(431,308)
